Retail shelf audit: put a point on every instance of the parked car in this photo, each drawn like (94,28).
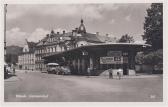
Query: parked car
(66,70)
(53,68)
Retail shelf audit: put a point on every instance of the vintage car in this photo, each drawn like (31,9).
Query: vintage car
(53,68)
(65,70)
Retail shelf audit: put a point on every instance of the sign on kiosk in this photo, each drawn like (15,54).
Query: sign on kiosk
(111,60)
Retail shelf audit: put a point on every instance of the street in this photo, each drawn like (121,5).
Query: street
(43,87)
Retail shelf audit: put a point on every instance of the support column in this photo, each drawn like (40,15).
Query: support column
(73,65)
(132,64)
(78,66)
(91,64)
(83,66)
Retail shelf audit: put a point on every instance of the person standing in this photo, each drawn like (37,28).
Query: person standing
(119,75)
(13,70)
(88,71)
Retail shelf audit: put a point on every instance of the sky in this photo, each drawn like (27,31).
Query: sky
(33,21)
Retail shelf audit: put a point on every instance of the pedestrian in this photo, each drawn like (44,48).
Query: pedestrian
(119,75)
(13,70)
(110,73)
(88,71)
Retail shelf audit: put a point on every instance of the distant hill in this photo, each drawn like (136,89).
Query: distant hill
(12,53)
(13,50)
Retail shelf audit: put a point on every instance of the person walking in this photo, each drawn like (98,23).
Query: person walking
(111,73)
(119,75)
(13,70)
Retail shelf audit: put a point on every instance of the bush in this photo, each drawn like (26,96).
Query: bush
(154,58)
(151,58)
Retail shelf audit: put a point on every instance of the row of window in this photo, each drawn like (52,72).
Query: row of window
(50,50)
(38,58)
(27,61)
(28,67)
(53,39)
(27,56)
(40,66)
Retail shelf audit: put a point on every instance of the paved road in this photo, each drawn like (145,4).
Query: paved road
(42,87)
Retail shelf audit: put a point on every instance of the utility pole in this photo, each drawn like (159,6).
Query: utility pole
(5,11)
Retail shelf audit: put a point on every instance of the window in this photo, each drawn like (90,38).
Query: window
(55,48)
(51,49)
(48,50)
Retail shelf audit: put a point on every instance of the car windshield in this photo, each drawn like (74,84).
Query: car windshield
(52,65)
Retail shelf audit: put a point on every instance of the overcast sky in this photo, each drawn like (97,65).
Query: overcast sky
(35,21)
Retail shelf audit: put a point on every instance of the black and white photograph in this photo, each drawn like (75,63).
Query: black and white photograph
(83,52)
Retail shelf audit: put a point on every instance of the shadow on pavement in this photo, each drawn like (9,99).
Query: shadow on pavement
(9,76)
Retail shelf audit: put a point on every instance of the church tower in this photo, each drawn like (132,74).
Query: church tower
(82,28)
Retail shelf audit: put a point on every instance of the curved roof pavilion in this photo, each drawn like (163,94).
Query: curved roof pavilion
(136,47)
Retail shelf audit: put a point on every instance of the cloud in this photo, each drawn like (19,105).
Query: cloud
(14,15)
(17,11)
(38,34)
(128,18)
(71,10)
(90,11)
(15,36)
(60,30)
(109,7)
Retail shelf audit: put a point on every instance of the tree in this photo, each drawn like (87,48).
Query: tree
(152,58)
(126,39)
(139,58)
(153,26)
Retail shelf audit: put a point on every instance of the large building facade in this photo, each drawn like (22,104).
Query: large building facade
(58,42)
(80,50)
(83,50)
(26,60)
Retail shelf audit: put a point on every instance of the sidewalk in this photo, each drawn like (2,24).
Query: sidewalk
(23,71)
(137,76)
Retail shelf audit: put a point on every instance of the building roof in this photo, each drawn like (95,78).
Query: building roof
(31,46)
(90,37)
(128,46)
(41,42)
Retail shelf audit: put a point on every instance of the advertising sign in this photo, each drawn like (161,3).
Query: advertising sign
(111,60)
(114,53)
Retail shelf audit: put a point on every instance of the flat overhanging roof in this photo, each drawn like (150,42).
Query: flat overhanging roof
(135,46)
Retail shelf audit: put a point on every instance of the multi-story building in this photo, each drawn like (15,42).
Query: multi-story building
(81,50)
(26,60)
(59,42)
